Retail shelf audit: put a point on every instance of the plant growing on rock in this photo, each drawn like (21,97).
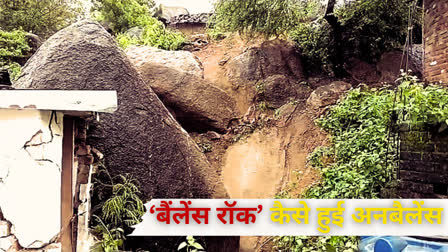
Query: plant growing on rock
(117,207)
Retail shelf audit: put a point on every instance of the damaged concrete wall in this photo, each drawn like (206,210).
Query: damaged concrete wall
(30,176)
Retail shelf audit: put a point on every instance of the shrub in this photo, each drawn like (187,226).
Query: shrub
(368,29)
(41,17)
(372,27)
(260,17)
(359,127)
(123,15)
(310,243)
(359,135)
(13,45)
(314,42)
(116,208)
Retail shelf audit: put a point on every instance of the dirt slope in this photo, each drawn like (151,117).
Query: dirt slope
(273,157)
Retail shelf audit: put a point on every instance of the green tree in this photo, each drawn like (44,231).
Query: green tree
(124,14)
(13,46)
(41,17)
(261,17)
(327,36)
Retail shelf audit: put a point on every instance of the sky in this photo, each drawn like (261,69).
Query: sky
(193,6)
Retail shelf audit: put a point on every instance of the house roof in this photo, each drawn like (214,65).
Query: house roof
(75,102)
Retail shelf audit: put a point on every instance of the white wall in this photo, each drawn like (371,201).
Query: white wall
(30,190)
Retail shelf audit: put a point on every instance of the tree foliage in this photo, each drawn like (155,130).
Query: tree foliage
(41,17)
(371,27)
(125,14)
(259,17)
(13,45)
(363,29)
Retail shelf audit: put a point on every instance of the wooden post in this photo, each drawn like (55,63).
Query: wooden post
(66,186)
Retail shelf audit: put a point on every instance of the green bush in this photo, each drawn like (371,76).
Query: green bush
(117,207)
(123,15)
(153,36)
(359,129)
(260,17)
(312,243)
(13,45)
(372,27)
(41,17)
(314,42)
(368,29)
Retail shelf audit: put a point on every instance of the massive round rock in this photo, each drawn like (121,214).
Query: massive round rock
(177,78)
(141,137)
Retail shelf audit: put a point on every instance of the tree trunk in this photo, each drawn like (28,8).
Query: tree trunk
(337,58)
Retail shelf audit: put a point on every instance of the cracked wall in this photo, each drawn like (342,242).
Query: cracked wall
(30,175)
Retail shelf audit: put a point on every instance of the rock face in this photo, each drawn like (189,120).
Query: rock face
(327,95)
(141,137)
(362,71)
(275,57)
(177,78)
(278,89)
(389,64)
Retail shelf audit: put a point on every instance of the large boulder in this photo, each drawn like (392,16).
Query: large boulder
(177,78)
(277,90)
(327,95)
(274,57)
(391,62)
(141,137)
(362,71)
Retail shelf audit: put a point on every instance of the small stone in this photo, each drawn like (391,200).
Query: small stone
(5,228)
(212,135)
(97,153)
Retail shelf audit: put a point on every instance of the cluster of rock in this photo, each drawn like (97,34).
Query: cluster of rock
(141,137)
(274,67)
(201,18)
(177,78)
